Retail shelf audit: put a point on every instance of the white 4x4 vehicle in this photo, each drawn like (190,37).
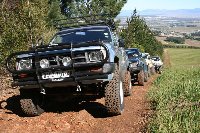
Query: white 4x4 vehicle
(157,63)
(149,62)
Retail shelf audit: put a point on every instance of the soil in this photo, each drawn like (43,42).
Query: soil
(85,117)
(192,42)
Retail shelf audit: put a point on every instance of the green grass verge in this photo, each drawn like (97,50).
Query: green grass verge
(175,95)
(184,57)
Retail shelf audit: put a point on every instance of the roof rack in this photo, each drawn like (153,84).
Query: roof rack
(85,20)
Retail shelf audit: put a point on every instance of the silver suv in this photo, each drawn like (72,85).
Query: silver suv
(79,61)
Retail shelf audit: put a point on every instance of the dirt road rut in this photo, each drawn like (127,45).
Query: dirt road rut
(87,117)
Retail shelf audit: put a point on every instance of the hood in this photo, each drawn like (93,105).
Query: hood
(132,60)
(57,50)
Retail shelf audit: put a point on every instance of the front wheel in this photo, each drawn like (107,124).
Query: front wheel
(149,72)
(152,69)
(141,78)
(31,105)
(146,77)
(114,94)
(127,84)
(160,71)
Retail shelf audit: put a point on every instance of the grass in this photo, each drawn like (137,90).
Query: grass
(175,95)
(184,57)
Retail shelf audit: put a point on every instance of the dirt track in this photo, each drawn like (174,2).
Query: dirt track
(84,117)
(87,117)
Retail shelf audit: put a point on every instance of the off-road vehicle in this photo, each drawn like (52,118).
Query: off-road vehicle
(82,59)
(137,66)
(157,64)
(149,62)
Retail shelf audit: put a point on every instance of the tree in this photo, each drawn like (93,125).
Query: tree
(178,40)
(138,34)
(74,8)
(22,23)
(54,12)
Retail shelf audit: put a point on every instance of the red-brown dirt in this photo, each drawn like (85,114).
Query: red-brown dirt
(84,118)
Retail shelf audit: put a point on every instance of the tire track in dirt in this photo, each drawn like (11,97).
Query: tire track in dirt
(85,117)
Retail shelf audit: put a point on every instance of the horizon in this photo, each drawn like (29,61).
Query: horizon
(161,9)
(161,5)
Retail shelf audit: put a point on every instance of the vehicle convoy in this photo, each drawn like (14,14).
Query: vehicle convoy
(157,64)
(137,66)
(83,60)
(149,62)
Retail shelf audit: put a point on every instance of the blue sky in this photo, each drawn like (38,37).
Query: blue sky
(161,4)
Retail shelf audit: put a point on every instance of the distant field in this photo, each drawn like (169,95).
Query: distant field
(175,95)
(192,42)
(187,41)
(184,57)
(184,29)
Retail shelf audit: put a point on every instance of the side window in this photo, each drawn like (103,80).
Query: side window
(58,39)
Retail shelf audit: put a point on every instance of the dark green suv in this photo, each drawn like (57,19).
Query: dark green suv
(137,66)
(80,61)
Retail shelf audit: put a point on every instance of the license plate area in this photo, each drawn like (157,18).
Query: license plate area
(56,75)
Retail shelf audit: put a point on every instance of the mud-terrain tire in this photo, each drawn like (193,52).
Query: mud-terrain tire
(141,78)
(127,84)
(149,72)
(146,77)
(30,106)
(160,71)
(114,94)
(153,71)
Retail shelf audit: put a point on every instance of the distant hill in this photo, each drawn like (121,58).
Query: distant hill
(162,12)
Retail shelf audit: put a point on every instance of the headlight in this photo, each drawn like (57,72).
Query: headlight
(96,56)
(24,64)
(44,63)
(66,61)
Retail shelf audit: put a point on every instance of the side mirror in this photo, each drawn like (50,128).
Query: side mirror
(121,43)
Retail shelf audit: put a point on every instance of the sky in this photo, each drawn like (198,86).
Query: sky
(161,4)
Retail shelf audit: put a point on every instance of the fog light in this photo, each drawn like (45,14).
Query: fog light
(66,61)
(44,63)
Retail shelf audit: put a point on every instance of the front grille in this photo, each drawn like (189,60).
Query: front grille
(55,53)
(80,57)
(55,60)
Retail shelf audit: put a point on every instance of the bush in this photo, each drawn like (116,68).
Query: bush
(21,25)
(178,40)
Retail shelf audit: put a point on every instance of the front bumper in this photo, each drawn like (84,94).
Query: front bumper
(65,82)
(78,77)
(135,69)
(81,70)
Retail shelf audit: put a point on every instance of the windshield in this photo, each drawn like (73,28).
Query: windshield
(155,58)
(132,55)
(132,51)
(83,35)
